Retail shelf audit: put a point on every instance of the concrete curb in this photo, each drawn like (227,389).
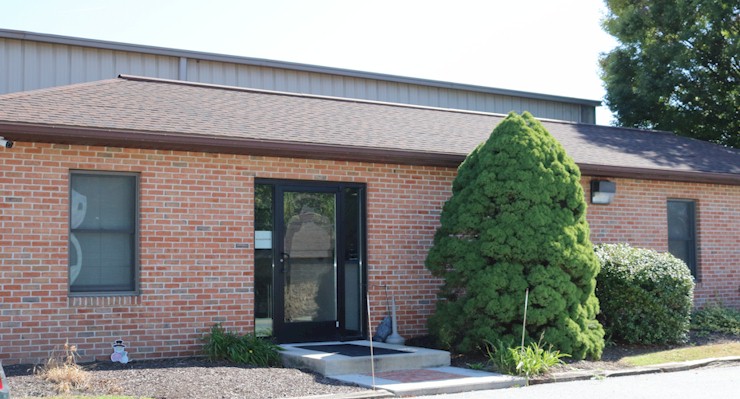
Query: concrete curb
(379,393)
(563,377)
(658,368)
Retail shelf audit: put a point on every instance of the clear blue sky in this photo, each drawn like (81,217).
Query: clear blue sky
(544,46)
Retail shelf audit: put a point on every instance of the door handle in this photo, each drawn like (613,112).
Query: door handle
(284,261)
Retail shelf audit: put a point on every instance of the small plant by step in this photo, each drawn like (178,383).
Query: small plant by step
(220,344)
(500,356)
(534,359)
(527,361)
(63,370)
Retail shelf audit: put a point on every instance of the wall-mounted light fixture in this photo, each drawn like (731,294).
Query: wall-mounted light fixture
(602,191)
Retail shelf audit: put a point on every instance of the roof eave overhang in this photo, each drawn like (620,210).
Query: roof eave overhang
(225,145)
(249,146)
(658,174)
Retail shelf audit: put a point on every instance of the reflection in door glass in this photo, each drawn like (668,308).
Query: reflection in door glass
(309,257)
(352,261)
(263,220)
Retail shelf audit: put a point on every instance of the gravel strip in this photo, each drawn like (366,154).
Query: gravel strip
(181,379)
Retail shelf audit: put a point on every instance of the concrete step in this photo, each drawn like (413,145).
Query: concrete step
(432,381)
(332,364)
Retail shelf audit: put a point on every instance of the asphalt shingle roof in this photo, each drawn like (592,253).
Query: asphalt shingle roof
(161,108)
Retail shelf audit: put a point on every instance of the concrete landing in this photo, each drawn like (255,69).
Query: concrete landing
(331,364)
(432,381)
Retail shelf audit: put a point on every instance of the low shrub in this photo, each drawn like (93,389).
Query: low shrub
(716,319)
(646,297)
(220,344)
(218,341)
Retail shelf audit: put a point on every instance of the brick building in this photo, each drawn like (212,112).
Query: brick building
(148,210)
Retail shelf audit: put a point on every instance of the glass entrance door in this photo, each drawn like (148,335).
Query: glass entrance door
(315,288)
(306,267)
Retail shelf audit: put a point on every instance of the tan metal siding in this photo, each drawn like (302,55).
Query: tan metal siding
(340,86)
(28,65)
(11,60)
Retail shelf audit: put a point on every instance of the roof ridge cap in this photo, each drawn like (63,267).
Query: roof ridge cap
(304,95)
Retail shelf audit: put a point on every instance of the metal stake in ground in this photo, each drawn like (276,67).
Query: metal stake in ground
(370,332)
(524,322)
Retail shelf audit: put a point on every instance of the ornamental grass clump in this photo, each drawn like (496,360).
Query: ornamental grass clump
(527,361)
(220,344)
(646,296)
(516,220)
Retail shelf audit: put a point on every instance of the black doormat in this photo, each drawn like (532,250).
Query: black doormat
(351,350)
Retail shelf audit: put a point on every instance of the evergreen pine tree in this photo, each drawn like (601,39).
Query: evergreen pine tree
(517,220)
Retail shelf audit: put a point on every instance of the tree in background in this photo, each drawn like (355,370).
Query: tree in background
(677,67)
(516,220)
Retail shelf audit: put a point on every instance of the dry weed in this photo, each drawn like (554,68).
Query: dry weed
(63,370)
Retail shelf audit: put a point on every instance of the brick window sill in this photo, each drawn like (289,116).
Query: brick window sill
(104,300)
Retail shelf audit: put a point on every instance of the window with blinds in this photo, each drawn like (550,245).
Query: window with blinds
(102,233)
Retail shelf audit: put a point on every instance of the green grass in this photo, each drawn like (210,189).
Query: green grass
(685,354)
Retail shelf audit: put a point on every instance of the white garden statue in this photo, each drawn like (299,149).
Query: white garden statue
(119,352)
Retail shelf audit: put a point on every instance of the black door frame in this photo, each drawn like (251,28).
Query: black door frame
(318,331)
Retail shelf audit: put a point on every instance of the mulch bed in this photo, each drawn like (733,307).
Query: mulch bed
(186,378)
(182,379)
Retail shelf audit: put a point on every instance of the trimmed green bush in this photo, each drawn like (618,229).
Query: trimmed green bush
(516,220)
(646,296)
(220,344)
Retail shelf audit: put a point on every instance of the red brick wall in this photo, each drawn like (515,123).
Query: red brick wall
(196,246)
(197,242)
(638,216)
